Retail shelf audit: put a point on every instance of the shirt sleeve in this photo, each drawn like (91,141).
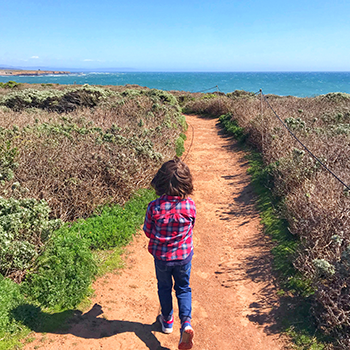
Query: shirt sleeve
(147,226)
(194,214)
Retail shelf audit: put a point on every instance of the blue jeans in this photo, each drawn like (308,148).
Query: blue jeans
(181,275)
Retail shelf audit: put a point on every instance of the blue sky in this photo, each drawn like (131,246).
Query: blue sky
(153,35)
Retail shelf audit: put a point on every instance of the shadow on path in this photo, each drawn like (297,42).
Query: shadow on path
(88,325)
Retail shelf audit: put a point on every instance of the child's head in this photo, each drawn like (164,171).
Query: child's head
(173,179)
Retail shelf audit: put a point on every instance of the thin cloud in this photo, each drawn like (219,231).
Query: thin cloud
(91,60)
(35,57)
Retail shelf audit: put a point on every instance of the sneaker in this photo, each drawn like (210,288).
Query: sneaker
(186,340)
(167,326)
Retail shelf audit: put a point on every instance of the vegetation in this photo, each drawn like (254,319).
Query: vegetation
(73,165)
(10,85)
(313,262)
(73,158)
(82,147)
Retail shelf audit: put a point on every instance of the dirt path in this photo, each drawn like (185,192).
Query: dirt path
(232,288)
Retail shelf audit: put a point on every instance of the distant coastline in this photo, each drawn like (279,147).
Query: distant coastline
(299,84)
(18,72)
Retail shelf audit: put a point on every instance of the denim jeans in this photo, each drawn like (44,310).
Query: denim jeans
(181,275)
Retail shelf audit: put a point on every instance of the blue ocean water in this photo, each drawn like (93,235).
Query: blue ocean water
(301,84)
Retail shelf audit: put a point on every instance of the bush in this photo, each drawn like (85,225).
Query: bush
(163,96)
(10,85)
(232,127)
(56,100)
(180,145)
(10,298)
(212,107)
(92,155)
(7,160)
(240,94)
(63,273)
(24,228)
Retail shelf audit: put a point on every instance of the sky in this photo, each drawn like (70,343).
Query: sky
(154,35)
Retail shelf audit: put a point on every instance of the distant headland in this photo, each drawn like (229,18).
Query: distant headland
(16,72)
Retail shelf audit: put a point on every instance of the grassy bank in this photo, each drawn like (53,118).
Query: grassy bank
(62,276)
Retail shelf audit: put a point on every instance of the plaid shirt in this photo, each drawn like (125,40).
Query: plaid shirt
(168,224)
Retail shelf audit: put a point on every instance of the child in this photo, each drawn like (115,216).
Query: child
(168,224)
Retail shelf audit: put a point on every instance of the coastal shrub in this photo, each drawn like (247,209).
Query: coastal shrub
(62,275)
(240,94)
(56,100)
(92,155)
(24,228)
(74,163)
(208,96)
(184,99)
(10,298)
(180,146)
(7,160)
(231,126)
(212,107)
(10,85)
(163,96)
(336,96)
(29,98)
(81,152)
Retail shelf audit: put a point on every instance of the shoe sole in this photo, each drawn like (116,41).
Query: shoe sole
(187,339)
(164,330)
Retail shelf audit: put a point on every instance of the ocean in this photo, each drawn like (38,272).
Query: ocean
(300,84)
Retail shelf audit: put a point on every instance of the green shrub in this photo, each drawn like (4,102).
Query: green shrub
(208,96)
(181,119)
(24,227)
(240,94)
(63,273)
(7,160)
(180,145)
(335,96)
(10,84)
(10,298)
(232,126)
(164,96)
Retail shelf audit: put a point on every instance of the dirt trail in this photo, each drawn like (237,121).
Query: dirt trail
(231,279)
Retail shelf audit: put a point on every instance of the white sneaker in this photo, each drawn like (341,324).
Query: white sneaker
(167,326)
(186,340)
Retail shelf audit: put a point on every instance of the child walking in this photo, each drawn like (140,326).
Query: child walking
(169,225)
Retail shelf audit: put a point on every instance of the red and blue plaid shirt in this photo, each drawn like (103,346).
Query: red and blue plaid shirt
(169,225)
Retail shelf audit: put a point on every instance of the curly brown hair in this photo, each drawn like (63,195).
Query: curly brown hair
(173,179)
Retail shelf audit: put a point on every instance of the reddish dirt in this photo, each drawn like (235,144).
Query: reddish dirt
(232,284)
